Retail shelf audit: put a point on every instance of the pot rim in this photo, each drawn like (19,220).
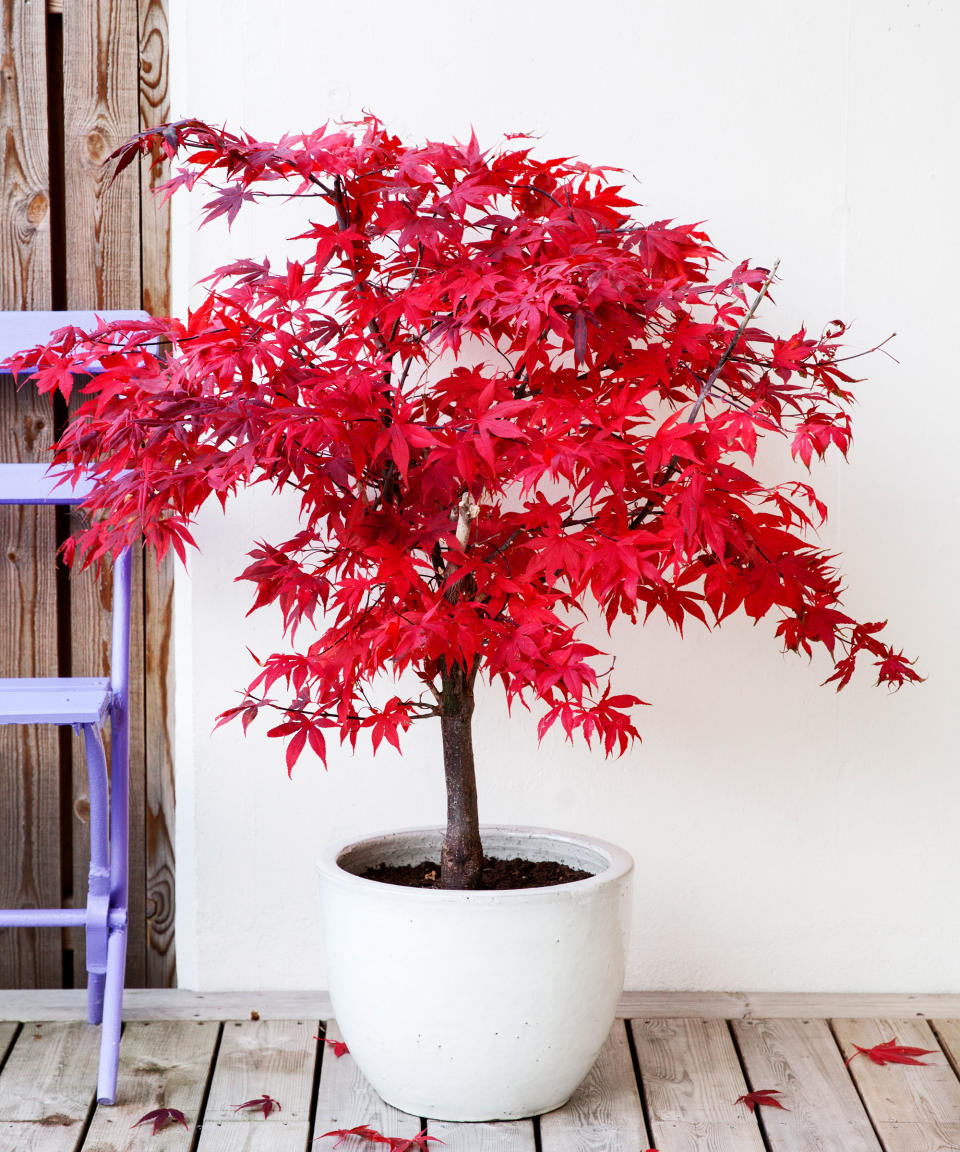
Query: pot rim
(619,864)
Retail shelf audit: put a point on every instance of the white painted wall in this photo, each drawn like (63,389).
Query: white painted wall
(785,837)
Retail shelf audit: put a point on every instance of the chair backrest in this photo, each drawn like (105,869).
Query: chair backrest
(45,485)
(33,484)
(40,484)
(19,330)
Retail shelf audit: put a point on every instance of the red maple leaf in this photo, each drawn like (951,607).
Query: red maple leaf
(763,1096)
(890,1052)
(161,1117)
(338,1046)
(416,1143)
(264,1102)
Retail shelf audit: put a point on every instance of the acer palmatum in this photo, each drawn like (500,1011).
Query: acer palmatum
(499,397)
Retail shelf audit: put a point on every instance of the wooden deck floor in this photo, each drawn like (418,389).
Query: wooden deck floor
(665,1079)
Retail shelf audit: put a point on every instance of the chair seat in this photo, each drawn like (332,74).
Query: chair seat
(54,700)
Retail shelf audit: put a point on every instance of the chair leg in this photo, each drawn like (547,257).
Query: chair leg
(112,1005)
(95,985)
(98,891)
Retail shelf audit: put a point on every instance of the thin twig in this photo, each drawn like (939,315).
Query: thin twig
(711,379)
(638,518)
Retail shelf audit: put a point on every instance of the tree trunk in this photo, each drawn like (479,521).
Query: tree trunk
(462,857)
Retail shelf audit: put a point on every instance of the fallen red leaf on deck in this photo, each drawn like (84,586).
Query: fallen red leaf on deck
(265,1102)
(890,1052)
(161,1117)
(762,1096)
(416,1143)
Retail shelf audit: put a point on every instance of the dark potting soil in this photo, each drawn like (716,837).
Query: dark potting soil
(496,875)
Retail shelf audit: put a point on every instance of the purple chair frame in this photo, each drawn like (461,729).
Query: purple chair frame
(86,704)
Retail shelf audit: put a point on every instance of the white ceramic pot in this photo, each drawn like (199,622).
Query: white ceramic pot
(475,1005)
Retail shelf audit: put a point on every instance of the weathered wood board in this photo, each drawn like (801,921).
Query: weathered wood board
(912,1107)
(275,1057)
(162,1065)
(47,1087)
(345,1098)
(821,1108)
(691,1076)
(605,1113)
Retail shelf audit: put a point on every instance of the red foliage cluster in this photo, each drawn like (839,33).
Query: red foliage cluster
(499,397)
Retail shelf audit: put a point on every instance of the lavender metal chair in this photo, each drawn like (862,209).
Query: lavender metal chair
(86,704)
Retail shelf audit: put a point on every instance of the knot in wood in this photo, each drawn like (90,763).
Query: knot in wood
(37,208)
(96,146)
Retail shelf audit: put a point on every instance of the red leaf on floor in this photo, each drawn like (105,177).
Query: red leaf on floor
(364,1131)
(265,1102)
(762,1096)
(161,1117)
(416,1143)
(338,1046)
(890,1052)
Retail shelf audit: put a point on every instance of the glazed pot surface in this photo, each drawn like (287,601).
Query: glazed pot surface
(474,1005)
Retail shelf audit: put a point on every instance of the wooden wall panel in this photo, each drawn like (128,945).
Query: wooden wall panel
(24,179)
(154,110)
(75,81)
(100,100)
(30,859)
(29,762)
(159,804)
(158,581)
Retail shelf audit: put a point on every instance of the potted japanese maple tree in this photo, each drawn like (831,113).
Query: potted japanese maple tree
(500,399)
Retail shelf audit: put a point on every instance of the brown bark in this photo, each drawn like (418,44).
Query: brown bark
(461,858)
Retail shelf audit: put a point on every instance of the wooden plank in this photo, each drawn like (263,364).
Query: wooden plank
(704,1005)
(162,1065)
(691,1077)
(275,1057)
(159,801)
(25,280)
(819,1005)
(948,1033)
(104,85)
(168,1004)
(182,1004)
(51,1072)
(792,1005)
(491,1136)
(272,1136)
(47,1088)
(100,95)
(40,1137)
(30,853)
(345,1098)
(8,1030)
(604,1114)
(154,110)
(800,1059)
(913,1108)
